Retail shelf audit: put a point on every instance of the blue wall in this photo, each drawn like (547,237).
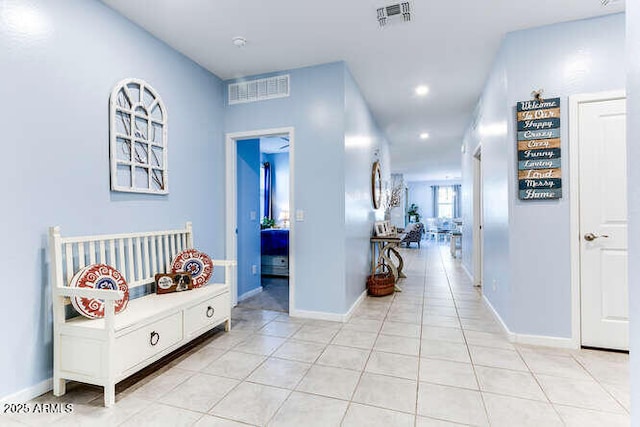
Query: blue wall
(335,140)
(316,110)
(56,81)
(57,76)
(362,139)
(633,175)
(493,115)
(570,58)
(248,175)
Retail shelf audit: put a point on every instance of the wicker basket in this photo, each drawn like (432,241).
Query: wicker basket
(381,284)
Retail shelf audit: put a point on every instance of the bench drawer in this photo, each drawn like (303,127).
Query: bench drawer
(208,313)
(147,341)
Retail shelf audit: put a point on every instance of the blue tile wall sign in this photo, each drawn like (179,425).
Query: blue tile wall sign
(538,124)
(551,183)
(551,153)
(539,152)
(540,174)
(539,144)
(547,113)
(538,134)
(538,105)
(539,164)
(538,194)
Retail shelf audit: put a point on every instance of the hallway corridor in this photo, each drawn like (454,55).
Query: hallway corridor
(431,355)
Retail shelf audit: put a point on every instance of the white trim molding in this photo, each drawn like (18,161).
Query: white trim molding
(333,317)
(231,199)
(574,201)
(354,306)
(29,393)
(466,271)
(251,293)
(541,340)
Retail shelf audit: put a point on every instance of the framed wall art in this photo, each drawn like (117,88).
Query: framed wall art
(138,139)
(376,185)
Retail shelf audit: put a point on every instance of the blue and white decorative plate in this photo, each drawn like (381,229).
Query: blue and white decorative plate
(98,276)
(196,263)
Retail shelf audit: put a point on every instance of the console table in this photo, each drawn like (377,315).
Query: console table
(384,247)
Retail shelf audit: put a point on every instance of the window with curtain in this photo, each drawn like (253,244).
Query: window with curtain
(446,201)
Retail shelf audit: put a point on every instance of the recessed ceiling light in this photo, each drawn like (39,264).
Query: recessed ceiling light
(424,135)
(422,90)
(239,41)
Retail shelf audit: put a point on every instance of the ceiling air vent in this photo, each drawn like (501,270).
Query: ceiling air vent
(400,11)
(259,90)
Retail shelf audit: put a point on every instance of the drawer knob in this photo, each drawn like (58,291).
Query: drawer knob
(154,338)
(210,311)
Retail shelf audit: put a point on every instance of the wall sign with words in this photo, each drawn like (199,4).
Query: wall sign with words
(539,167)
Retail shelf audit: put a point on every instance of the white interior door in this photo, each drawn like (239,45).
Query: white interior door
(603,224)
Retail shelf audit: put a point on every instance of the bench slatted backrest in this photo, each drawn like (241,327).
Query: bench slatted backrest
(138,256)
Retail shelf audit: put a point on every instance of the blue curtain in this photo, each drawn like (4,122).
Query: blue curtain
(436,189)
(457,193)
(268,211)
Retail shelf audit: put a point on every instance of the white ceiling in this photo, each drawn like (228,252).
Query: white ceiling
(274,145)
(448,46)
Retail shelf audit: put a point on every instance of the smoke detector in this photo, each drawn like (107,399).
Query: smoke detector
(239,41)
(399,11)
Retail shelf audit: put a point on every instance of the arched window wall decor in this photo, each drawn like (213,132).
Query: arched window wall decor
(138,139)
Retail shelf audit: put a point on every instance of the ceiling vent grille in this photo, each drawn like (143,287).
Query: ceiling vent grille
(401,11)
(259,90)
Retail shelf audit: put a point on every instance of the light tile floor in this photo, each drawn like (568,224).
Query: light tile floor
(431,355)
(274,295)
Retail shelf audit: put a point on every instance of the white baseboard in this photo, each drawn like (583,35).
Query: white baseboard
(546,341)
(250,293)
(316,315)
(333,317)
(29,393)
(355,306)
(498,318)
(541,340)
(469,275)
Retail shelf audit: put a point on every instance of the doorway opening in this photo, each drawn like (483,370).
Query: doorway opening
(260,232)
(477,216)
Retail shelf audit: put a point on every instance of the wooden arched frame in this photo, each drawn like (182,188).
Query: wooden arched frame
(376,185)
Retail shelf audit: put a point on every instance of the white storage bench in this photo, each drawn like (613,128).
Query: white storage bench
(105,351)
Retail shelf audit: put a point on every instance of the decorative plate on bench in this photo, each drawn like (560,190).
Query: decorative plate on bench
(98,276)
(196,263)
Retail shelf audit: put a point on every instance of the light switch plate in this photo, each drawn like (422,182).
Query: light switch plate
(299,215)
(253,215)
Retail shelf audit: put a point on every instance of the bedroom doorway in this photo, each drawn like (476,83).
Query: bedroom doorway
(259,232)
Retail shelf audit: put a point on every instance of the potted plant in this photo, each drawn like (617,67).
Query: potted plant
(267,223)
(413,214)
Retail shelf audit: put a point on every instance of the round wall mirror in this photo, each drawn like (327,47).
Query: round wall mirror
(376,185)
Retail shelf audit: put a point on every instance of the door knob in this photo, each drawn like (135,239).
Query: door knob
(590,237)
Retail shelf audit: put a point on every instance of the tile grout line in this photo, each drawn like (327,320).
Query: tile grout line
(599,383)
(355,389)
(424,290)
(464,335)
